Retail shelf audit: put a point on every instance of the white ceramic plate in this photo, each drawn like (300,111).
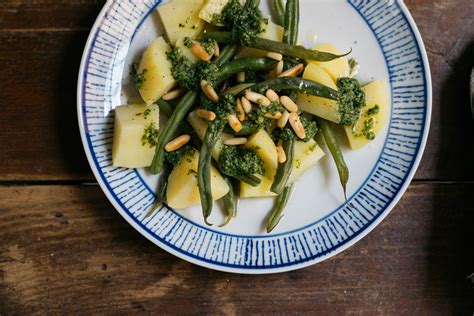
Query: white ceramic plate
(318,224)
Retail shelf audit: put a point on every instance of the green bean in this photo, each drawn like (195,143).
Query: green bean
(284,169)
(292,20)
(165,136)
(296,84)
(252,3)
(336,153)
(239,88)
(161,189)
(230,202)
(250,179)
(279,12)
(280,203)
(226,54)
(250,64)
(204,167)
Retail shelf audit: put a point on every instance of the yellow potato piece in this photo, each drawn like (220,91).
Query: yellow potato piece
(336,68)
(376,93)
(272,32)
(180,18)
(307,155)
(321,107)
(128,150)
(211,8)
(262,190)
(183,191)
(156,70)
(187,52)
(263,144)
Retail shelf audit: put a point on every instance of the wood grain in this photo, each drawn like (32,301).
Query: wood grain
(39,133)
(65,249)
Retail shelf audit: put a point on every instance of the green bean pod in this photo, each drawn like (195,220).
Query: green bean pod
(226,54)
(230,202)
(275,215)
(295,51)
(338,157)
(250,64)
(252,3)
(165,136)
(161,189)
(250,179)
(279,12)
(204,167)
(284,169)
(292,20)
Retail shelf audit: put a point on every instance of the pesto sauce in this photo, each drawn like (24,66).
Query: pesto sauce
(311,129)
(174,158)
(351,100)
(150,135)
(369,123)
(235,161)
(138,78)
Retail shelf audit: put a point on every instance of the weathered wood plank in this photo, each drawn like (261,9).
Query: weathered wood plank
(64,249)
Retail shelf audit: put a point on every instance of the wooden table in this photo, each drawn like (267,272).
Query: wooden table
(64,249)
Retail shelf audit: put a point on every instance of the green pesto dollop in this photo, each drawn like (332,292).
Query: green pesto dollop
(174,158)
(188,74)
(235,161)
(351,100)
(244,22)
(150,135)
(311,129)
(369,123)
(138,77)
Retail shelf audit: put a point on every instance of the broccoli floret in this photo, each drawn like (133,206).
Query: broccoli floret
(311,128)
(235,161)
(351,100)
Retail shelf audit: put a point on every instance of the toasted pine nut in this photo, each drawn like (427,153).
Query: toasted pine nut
(235,141)
(275,56)
(279,68)
(241,77)
(275,116)
(177,143)
(297,126)
(240,110)
(284,119)
(200,52)
(173,94)
(272,95)
(257,98)
(234,123)
(246,105)
(293,72)
(217,50)
(288,104)
(281,154)
(209,91)
(207,115)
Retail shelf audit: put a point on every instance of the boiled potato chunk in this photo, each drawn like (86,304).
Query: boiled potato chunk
(325,108)
(272,32)
(376,93)
(180,18)
(183,188)
(307,155)
(336,68)
(131,121)
(262,190)
(200,127)
(187,52)
(265,148)
(212,8)
(156,71)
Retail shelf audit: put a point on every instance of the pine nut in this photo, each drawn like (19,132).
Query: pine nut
(235,141)
(209,91)
(257,98)
(200,52)
(173,94)
(281,154)
(279,68)
(217,50)
(234,123)
(241,77)
(275,56)
(284,119)
(177,143)
(293,72)
(272,95)
(297,126)
(240,110)
(246,105)
(288,104)
(207,115)
(275,116)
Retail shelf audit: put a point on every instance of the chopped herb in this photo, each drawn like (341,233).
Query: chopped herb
(188,42)
(175,157)
(311,129)
(150,135)
(235,161)
(351,100)
(138,78)
(373,111)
